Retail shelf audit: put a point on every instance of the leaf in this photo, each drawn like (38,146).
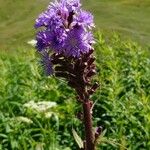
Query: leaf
(103,139)
(113,143)
(102,135)
(3,135)
(77,139)
(39,146)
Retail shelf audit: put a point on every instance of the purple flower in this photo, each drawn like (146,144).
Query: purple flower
(46,63)
(49,20)
(72,5)
(43,19)
(78,42)
(55,23)
(43,40)
(53,40)
(57,40)
(66,30)
(59,9)
(85,19)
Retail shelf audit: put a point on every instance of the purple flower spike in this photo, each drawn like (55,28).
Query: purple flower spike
(66,29)
(65,43)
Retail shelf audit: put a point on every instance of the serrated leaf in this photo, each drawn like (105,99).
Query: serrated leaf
(77,139)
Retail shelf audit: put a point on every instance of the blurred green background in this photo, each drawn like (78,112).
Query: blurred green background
(129,17)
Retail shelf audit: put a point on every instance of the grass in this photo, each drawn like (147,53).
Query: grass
(17,20)
(129,17)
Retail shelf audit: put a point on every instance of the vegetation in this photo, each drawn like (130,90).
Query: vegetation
(122,103)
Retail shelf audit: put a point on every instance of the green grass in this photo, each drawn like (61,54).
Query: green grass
(17,20)
(129,17)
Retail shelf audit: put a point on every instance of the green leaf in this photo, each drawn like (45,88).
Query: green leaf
(102,135)
(39,146)
(3,135)
(77,139)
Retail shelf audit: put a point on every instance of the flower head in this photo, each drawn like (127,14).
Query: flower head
(66,30)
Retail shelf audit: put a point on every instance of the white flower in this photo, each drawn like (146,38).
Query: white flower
(42,106)
(23,119)
(32,43)
(48,115)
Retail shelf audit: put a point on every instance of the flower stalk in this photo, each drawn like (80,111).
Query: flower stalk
(65,43)
(89,136)
(79,73)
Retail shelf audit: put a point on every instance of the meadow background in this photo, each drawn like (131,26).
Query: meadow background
(123,61)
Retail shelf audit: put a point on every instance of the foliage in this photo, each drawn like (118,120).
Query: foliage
(122,103)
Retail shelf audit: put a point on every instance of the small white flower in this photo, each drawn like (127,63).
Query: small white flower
(42,106)
(48,115)
(32,43)
(23,119)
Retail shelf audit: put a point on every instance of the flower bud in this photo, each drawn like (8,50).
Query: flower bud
(91,73)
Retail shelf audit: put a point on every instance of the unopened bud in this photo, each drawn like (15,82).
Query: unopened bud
(93,88)
(91,91)
(91,73)
(91,60)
